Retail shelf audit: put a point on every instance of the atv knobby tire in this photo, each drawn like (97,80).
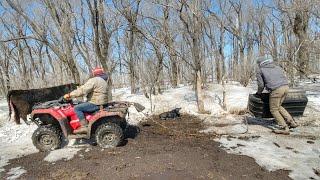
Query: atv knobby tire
(109,135)
(47,138)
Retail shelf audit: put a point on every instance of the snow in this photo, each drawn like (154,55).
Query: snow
(15,173)
(184,97)
(15,139)
(3,111)
(294,154)
(237,96)
(62,154)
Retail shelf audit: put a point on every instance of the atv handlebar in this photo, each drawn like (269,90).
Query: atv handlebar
(63,100)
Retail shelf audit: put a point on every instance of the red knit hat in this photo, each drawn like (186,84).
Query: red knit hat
(97,71)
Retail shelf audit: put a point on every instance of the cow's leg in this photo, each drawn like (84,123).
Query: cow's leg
(25,119)
(25,112)
(23,109)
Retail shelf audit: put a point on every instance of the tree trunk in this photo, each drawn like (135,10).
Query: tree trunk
(300,28)
(131,61)
(261,38)
(174,71)
(199,96)
(275,44)
(198,79)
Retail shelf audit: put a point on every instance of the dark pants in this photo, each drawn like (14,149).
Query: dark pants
(85,107)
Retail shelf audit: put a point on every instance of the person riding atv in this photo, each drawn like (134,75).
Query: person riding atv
(96,90)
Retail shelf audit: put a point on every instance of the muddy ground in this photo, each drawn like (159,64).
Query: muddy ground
(152,151)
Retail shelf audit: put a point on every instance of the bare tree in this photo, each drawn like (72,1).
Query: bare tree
(191,16)
(152,44)
(129,10)
(61,19)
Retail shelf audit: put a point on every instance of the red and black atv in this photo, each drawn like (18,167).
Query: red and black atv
(57,120)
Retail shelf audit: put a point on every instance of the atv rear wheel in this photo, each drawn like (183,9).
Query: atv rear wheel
(109,135)
(47,138)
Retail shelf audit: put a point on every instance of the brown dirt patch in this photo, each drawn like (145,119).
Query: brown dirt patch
(162,150)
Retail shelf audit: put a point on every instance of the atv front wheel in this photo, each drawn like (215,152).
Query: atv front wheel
(109,135)
(47,138)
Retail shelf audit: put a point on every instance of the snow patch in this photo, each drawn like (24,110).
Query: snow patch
(15,142)
(228,124)
(230,129)
(61,154)
(134,117)
(3,112)
(15,173)
(275,152)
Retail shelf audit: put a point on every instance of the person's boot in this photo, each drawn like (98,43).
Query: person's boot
(293,124)
(83,129)
(282,130)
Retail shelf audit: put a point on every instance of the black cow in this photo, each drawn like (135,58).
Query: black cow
(20,102)
(170,114)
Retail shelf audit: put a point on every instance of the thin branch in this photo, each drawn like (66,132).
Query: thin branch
(22,38)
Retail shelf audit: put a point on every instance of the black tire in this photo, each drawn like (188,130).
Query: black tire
(47,138)
(295,103)
(109,135)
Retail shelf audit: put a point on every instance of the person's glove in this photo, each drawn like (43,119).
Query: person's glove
(67,96)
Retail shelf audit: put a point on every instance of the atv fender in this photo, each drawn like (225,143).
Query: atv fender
(102,115)
(60,117)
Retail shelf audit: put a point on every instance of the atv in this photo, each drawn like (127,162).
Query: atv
(57,120)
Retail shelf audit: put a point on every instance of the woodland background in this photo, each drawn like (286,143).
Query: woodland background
(149,45)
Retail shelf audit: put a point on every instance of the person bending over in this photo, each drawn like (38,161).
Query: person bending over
(272,77)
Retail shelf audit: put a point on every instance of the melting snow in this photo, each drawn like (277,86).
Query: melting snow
(15,173)
(62,154)
(279,152)
(15,139)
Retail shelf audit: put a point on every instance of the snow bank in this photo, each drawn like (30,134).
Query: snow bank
(15,173)
(184,97)
(236,96)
